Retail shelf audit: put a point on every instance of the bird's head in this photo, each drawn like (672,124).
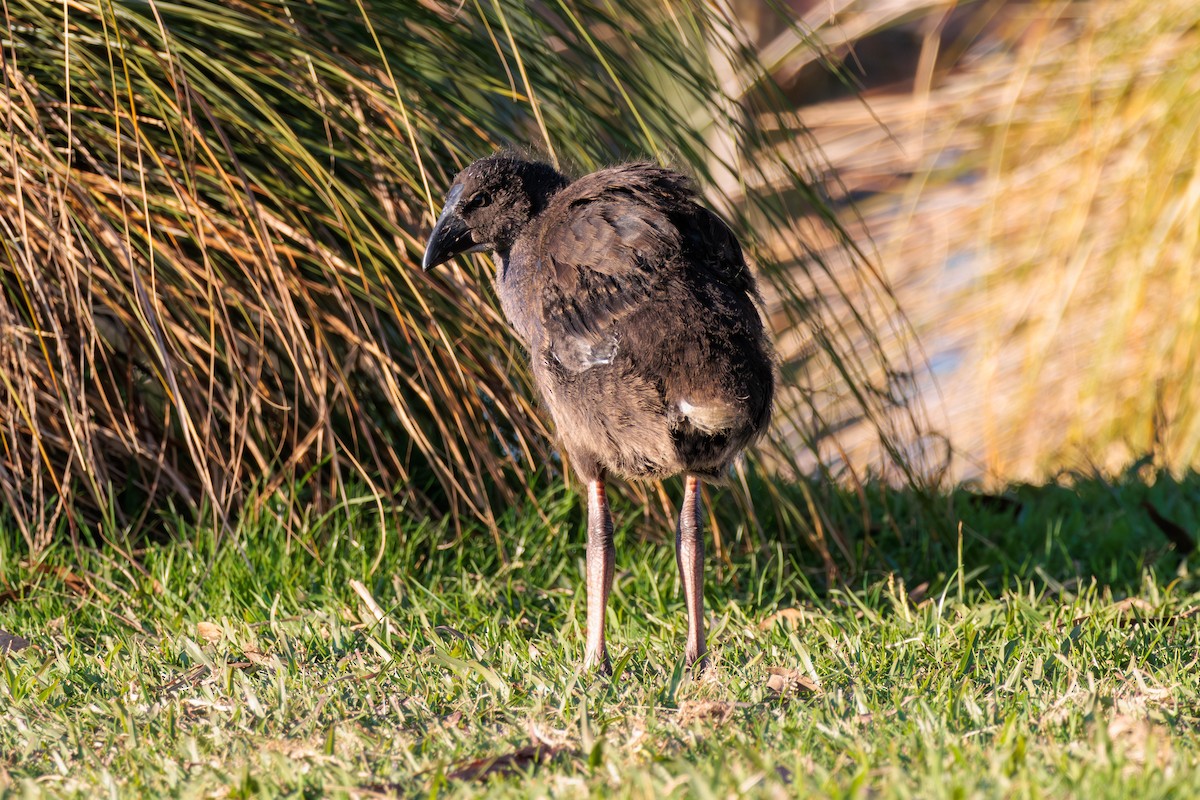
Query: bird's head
(488,205)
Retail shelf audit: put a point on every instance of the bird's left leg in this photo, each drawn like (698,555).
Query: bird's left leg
(600,558)
(689,554)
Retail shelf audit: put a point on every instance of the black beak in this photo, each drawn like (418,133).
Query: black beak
(450,237)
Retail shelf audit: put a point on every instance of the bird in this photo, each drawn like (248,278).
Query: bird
(641,320)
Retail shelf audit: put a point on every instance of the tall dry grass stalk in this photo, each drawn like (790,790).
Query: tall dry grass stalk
(212,215)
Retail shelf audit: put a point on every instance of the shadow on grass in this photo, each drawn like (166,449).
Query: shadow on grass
(1057,536)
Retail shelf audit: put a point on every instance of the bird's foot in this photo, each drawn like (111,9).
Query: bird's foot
(600,665)
(697,662)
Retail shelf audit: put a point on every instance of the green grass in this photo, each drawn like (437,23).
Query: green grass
(1057,657)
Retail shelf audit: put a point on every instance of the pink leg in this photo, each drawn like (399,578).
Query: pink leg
(600,558)
(689,553)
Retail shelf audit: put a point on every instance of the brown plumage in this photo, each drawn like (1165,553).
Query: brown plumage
(639,315)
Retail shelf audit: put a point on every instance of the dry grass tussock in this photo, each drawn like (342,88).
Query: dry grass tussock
(200,291)
(210,221)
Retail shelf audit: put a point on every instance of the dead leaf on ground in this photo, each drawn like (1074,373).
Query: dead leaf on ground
(185,681)
(446,632)
(11,643)
(73,582)
(81,586)
(1134,603)
(554,738)
(258,658)
(209,632)
(795,616)
(918,592)
(199,673)
(714,711)
(1134,611)
(1140,740)
(783,681)
(482,768)
(129,618)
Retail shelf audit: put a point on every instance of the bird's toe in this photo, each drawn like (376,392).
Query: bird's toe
(601,666)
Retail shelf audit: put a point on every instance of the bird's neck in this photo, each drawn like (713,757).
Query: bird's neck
(500,258)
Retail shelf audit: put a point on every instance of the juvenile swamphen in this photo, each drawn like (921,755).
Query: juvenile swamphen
(639,314)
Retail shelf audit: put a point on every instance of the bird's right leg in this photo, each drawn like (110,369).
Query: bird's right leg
(600,557)
(689,555)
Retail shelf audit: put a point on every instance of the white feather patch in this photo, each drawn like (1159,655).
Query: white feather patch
(708,418)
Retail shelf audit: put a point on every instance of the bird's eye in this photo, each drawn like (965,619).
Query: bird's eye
(480,199)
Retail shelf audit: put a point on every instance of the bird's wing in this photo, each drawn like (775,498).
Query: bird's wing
(609,244)
(607,257)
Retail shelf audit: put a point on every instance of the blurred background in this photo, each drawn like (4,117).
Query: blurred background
(1024,174)
(976,223)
